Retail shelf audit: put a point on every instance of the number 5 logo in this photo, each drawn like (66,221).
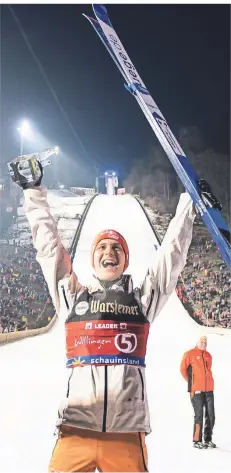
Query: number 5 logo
(127,339)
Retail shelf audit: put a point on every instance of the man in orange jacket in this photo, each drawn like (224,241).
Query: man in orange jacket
(196,370)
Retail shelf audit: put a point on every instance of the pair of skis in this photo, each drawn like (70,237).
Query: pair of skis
(206,204)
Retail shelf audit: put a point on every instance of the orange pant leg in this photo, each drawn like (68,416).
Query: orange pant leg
(74,451)
(121,452)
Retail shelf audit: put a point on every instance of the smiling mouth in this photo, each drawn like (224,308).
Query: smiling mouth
(109,264)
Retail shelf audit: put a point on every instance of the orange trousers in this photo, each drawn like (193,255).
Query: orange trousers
(85,450)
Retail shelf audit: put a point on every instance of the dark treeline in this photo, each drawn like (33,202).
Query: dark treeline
(152,176)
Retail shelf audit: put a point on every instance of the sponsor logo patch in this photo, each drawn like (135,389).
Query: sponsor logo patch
(82,308)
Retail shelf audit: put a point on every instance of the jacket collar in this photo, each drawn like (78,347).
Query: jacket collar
(118,285)
(199,350)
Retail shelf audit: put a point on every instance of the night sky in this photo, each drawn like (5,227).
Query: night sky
(180,51)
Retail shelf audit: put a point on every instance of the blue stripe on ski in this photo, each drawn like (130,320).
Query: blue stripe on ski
(134,86)
(211,217)
(102,12)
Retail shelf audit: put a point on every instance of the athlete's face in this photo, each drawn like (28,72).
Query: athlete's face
(109,260)
(202,344)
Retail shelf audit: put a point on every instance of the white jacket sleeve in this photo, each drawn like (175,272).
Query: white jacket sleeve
(170,259)
(51,254)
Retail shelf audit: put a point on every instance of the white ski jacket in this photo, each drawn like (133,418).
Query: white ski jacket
(111,398)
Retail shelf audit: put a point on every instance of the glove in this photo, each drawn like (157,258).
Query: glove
(207,196)
(27,173)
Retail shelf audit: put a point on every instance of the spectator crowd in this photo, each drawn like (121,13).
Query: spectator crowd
(205,284)
(24,299)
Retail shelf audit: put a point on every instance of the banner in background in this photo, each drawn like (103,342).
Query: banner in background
(83,190)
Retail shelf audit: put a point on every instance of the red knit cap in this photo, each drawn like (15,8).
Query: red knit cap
(112,235)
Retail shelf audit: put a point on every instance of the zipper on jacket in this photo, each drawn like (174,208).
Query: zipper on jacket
(150,303)
(142,382)
(69,382)
(105,400)
(65,297)
(204,369)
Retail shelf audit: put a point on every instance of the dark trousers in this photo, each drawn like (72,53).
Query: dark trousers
(203,405)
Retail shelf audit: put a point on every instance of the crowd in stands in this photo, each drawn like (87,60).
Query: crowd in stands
(204,286)
(24,299)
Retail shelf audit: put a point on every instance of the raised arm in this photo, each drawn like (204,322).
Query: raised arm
(51,254)
(170,259)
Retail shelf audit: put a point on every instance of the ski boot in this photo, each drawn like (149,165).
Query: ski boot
(199,445)
(210,444)
(207,196)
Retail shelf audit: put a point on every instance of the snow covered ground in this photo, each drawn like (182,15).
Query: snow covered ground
(33,375)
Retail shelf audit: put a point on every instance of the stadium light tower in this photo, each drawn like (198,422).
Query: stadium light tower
(24,131)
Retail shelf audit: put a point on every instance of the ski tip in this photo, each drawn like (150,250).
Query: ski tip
(89,18)
(101,13)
